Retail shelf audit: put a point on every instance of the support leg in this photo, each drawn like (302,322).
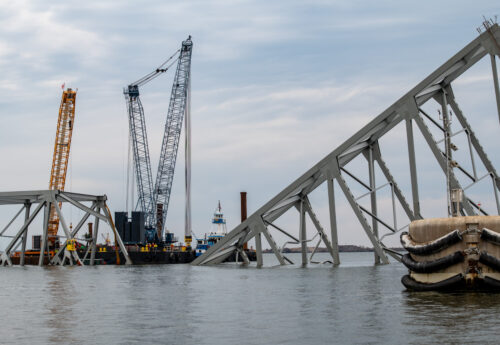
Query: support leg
(244,255)
(303,233)
(373,198)
(413,167)
(45,235)
(128,261)
(94,238)
(25,234)
(258,249)
(333,222)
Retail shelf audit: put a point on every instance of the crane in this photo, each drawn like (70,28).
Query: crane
(154,200)
(60,160)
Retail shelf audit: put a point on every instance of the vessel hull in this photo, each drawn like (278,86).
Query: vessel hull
(453,253)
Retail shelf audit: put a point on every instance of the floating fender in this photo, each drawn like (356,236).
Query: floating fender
(432,266)
(412,284)
(489,260)
(431,247)
(491,283)
(490,236)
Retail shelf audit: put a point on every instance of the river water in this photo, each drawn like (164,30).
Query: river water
(355,303)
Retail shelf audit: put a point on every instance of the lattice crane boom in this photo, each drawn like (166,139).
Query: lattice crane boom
(149,197)
(62,147)
(173,128)
(142,162)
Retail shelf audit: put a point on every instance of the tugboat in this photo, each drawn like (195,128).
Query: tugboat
(218,231)
(453,253)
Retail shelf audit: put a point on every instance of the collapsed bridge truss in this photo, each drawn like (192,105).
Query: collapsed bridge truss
(43,201)
(365,144)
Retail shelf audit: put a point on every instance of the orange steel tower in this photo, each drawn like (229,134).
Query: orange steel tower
(61,154)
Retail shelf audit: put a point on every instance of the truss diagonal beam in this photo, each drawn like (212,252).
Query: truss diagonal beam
(412,215)
(364,223)
(271,242)
(441,160)
(474,140)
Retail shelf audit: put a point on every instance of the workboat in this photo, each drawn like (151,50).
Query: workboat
(461,252)
(218,230)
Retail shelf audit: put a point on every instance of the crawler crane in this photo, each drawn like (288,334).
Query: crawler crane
(60,161)
(153,201)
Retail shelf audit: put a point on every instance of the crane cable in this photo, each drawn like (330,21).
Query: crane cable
(150,76)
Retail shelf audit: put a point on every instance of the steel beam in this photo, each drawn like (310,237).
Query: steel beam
(364,223)
(244,255)
(399,194)
(94,238)
(413,167)
(473,138)
(12,220)
(27,207)
(56,259)
(318,227)
(441,160)
(220,256)
(118,239)
(495,81)
(303,233)
(23,228)
(271,242)
(333,221)
(283,231)
(67,232)
(373,196)
(258,249)
(45,234)
(83,207)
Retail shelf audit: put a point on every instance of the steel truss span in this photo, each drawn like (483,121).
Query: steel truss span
(332,169)
(42,201)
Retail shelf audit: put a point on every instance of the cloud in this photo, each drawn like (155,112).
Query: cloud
(44,33)
(275,89)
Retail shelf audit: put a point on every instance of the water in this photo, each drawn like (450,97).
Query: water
(356,303)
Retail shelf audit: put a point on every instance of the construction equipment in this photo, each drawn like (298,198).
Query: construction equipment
(60,161)
(154,201)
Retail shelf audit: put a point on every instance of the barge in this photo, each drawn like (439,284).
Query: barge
(453,253)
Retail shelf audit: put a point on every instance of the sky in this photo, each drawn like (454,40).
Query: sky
(276,86)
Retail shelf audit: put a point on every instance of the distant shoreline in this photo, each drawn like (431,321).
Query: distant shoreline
(343,248)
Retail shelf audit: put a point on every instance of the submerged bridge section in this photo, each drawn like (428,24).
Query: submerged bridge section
(43,201)
(437,87)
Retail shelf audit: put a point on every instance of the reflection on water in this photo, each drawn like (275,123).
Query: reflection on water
(356,303)
(451,317)
(60,306)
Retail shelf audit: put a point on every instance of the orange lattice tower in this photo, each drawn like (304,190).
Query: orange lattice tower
(61,155)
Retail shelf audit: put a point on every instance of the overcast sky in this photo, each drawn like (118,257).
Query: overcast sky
(276,85)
